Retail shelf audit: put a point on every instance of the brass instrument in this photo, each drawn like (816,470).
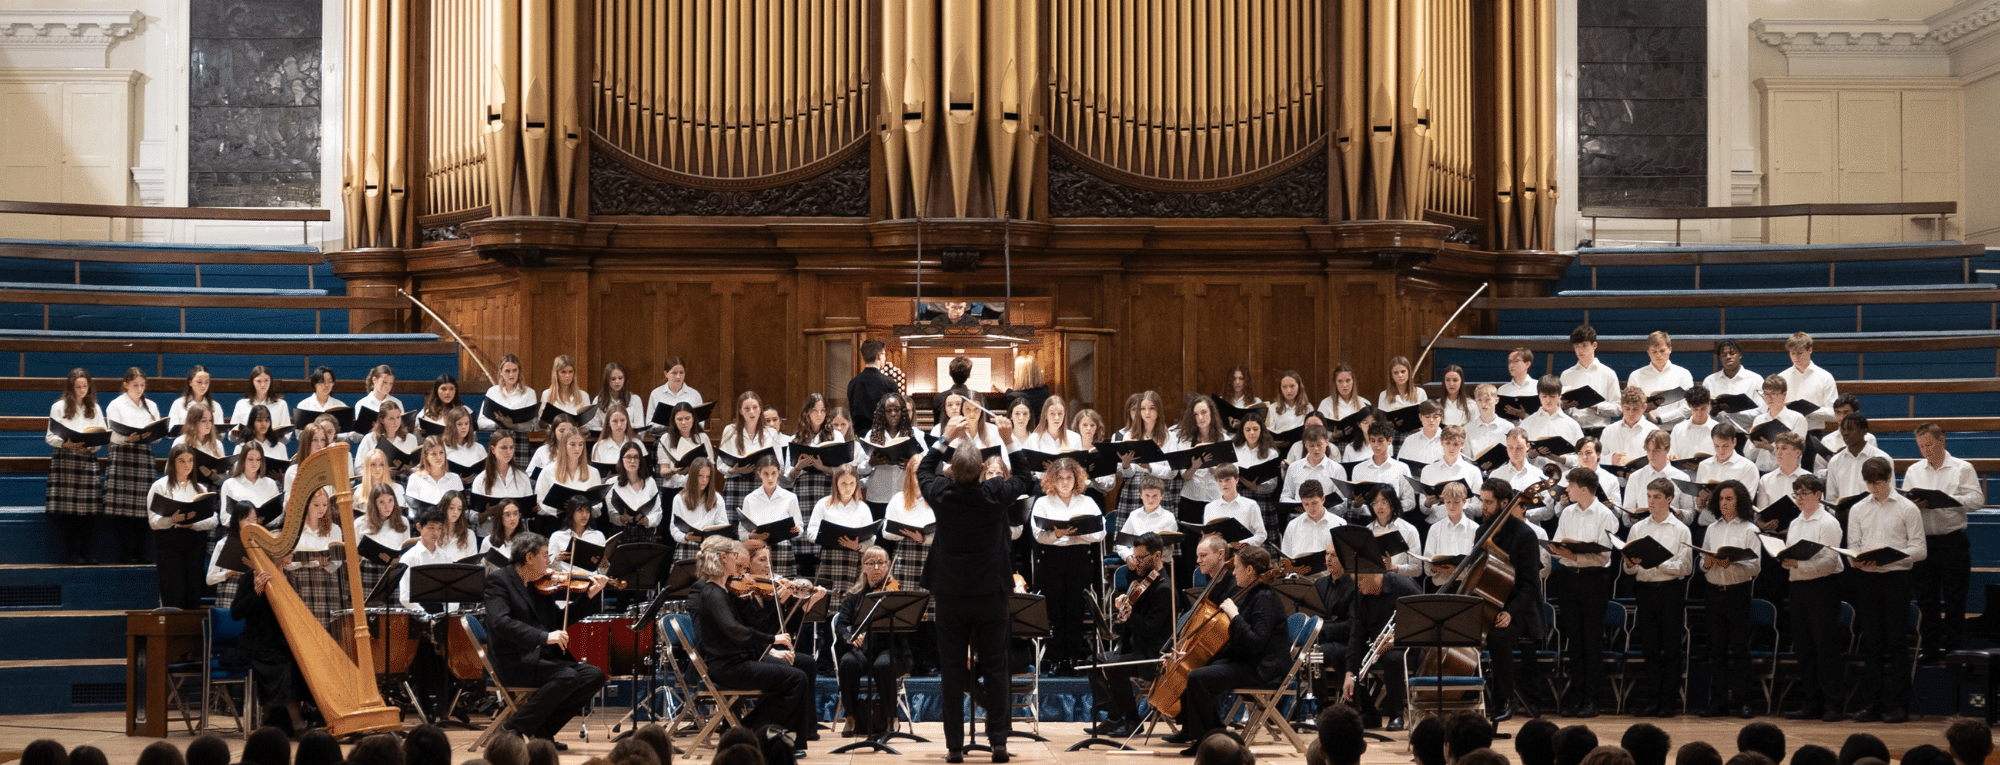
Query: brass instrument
(1378,646)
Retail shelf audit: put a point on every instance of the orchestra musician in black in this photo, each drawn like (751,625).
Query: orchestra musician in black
(1142,625)
(530,646)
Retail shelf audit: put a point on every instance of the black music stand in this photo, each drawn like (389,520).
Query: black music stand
(448,583)
(888,613)
(680,577)
(638,564)
(1301,597)
(1440,622)
(1027,619)
(681,573)
(387,584)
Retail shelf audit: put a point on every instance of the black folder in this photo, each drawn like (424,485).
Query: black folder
(1647,552)
(92,437)
(266,513)
(427,427)
(203,506)
(1310,563)
(1142,450)
(895,452)
(1352,491)
(1230,529)
(1354,543)
(398,459)
(616,504)
(1207,455)
(1031,461)
(1768,432)
(1285,438)
(560,495)
(780,530)
(1784,511)
(831,455)
(1665,397)
(1346,429)
(1578,546)
(1731,554)
(831,533)
(1526,404)
(523,418)
(369,549)
(1625,470)
(1437,489)
(580,417)
(1930,498)
(690,451)
(1581,397)
(899,530)
(1554,445)
(1086,523)
(1406,419)
(1233,416)
(148,432)
(364,419)
(205,461)
(465,472)
(724,529)
(341,413)
(1801,550)
(1262,471)
(731,461)
(1491,459)
(1877,556)
(663,414)
(1802,406)
(587,556)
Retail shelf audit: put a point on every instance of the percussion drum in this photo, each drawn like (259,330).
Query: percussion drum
(607,642)
(392,638)
(460,654)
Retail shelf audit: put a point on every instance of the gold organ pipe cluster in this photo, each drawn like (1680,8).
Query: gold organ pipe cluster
(1188,91)
(455,178)
(730,89)
(1524,181)
(375,163)
(1453,177)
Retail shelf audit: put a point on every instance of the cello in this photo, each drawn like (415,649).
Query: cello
(1486,573)
(1199,638)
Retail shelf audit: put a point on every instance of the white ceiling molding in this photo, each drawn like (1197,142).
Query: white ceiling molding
(56,38)
(1855,47)
(1961,23)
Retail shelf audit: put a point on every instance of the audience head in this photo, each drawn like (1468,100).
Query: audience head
(87,755)
(1814,754)
(1927,754)
(268,746)
(739,754)
(1861,745)
(656,737)
(317,747)
(1427,742)
(739,735)
(632,751)
(542,751)
(1698,753)
(1464,732)
(379,749)
(507,749)
(1608,755)
(1340,735)
(1749,758)
(1970,740)
(1647,744)
(1223,748)
(156,753)
(1535,743)
(1763,738)
(209,750)
(45,751)
(1573,743)
(426,745)
(1483,757)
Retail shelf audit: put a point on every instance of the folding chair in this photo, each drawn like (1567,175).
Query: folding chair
(705,693)
(195,672)
(1764,637)
(1619,663)
(1263,702)
(226,633)
(511,696)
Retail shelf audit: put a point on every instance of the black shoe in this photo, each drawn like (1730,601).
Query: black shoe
(1178,737)
(1121,730)
(1646,710)
(954,755)
(560,746)
(1502,713)
(1805,713)
(1896,717)
(1110,724)
(1833,715)
(1743,711)
(1000,753)
(1587,710)
(799,754)
(1189,752)
(1669,710)
(1868,715)
(1395,725)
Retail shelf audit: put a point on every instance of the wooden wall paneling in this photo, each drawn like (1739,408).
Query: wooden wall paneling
(1288,315)
(1154,354)
(625,328)
(685,320)
(1366,316)
(1224,332)
(764,342)
(556,307)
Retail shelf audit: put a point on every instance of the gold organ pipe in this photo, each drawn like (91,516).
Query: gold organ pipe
(894,57)
(503,100)
(1528,161)
(651,43)
(920,107)
(1382,76)
(790,104)
(351,181)
(1003,103)
(1028,43)
(1503,134)
(822,78)
(1351,135)
(1180,114)
(726,76)
(758,64)
(961,94)
(535,108)
(1545,55)
(1414,67)
(374,97)
(569,113)
(396,113)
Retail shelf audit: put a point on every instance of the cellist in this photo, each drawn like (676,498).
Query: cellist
(1257,653)
(1521,617)
(1212,558)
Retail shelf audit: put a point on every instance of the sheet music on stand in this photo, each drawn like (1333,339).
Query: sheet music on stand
(1440,622)
(638,564)
(888,612)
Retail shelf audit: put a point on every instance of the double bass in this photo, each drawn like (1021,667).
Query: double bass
(1200,637)
(1486,573)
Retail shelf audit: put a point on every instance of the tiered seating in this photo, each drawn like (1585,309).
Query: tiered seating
(106,306)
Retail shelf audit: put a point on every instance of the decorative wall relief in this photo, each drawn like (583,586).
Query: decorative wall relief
(254,103)
(1298,192)
(618,189)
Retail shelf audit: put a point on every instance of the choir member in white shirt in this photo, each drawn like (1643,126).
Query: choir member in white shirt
(313,436)
(389,432)
(1759,449)
(1625,439)
(1143,422)
(1731,379)
(1658,465)
(1240,392)
(381,384)
(1661,375)
(1316,466)
(1586,457)
(570,470)
(698,506)
(1661,592)
(1519,384)
(565,391)
(1691,436)
(511,393)
(375,472)
(1379,468)
(1090,431)
(1346,399)
(575,529)
(675,442)
(1254,447)
(1814,604)
(1066,562)
(1385,517)
(461,444)
(382,520)
(1847,404)
(1843,469)
(315,570)
(1725,466)
(1233,504)
(1149,517)
(617,433)
(1421,448)
(1453,466)
(907,507)
(1403,391)
(742,438)
(633,506)
(807,476)
(507,525)
(1588,373)
(614,396)
(179,539)
(1884,519)
(255,426)
(1451,535)
(320,401)
(1806,381)
(247,486)
(438,406)
(1312,530)
(1942,578)
(673,390)
(1727,597)
(1051,433)
(433,477)
(431,549)
(1486,428)
(1777,483)
(198,432)
(75,494)
(1198,427)
(1456,402)
(889,423)
(259,393)
(840,553)
(459,541)
(1289,409)
(1521,473)
(1580,585)
(1549,421)
(197,396)
(500,480)
(768,504)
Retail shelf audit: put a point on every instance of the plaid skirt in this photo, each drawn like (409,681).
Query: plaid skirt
(784,565)
(225,593)
(1275,517)
(907,568)
(371,572)
(129,480)
(524,452)
(323,590)
(839,567)
(811,486)
(76,484)
(735,488)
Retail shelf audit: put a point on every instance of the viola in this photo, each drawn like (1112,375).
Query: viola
(554,582)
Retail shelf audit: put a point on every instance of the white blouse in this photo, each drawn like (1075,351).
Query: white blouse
(123,411)
(79,423)
(281,414)
(647,494)
(701,518)
(242,489)
(423,488)
(520,398)
(666,456)
(559,543)
(182,493)
(1051,511)
(760,508)
(919,515)
(851,514)
(547,480)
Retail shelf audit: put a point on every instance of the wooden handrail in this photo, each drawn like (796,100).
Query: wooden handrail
(280,214)
(1712,299)
(1773,211)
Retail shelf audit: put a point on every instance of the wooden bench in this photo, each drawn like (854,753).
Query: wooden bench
(1877,342)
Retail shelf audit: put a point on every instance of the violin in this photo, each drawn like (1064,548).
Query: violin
(744,585)
(554,582)
(892,585)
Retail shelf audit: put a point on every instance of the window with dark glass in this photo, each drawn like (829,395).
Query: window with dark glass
(1642,102)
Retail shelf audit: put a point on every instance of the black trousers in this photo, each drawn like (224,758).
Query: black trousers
(1580,595)
(564,689)
(1332,671)
(132,533)
(76,531)
(1111,687)
(1728,613)
(1394,684)
(1815,609)
(183,564)
(1502,645)
(1064,575)
(1201,701)
(978,623)
(787,698)
(1942,579)
(1661,623)
(1882,619)
(883,667)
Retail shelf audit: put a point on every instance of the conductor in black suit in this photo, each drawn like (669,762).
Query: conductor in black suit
(529,646)
(970,577)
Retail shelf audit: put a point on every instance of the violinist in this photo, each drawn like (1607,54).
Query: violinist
(1520,618)
(530,643)
(779,605)
(740,656)
(1143,624)
(1376,593)
(1256,653)
(883,657)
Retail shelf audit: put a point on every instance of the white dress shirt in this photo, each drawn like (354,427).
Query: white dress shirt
(1819,527)
(1745,383)
(1201,486)
(82,421)
(1712,470)
(559,542)
(1421,449)
(1776,485)
(1244,510)
(852,515)
(1843,473)
(423,488)
(520,398)
(687,516)
(547,480)
(242,489)
(1388,472)
(1595,523)
(1604,381)
(1737,533)
(1542,425)
(643,495)
(1449,538)
(1651,379)
(124,412)
(1767,459)
(1050,512)
(1481,435)
(1410,563)
(662,395)
(1895,522)
(1671,534)
(760,508)
(182,493)
(1461,470)
(1139,522)
(1620,438)
(421,555)
(1691,439)
(1634,496)
(1814,384)
(1302,470)
(1956,478)
(1304,536)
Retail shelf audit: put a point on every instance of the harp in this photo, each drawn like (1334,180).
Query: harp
(344,688)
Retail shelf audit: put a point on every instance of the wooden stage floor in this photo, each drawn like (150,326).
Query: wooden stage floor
(106,731)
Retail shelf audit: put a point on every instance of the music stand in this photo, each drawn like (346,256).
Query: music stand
(387,584)
(1027,619)
(448,583)
(679,578)
(681,573)
(638,564)
(888,613)
(1440,622)
(1301,598)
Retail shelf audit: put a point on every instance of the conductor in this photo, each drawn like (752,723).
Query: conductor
(531,649)
(970,578)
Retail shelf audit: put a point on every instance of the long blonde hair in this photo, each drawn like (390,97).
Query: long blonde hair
(572,395)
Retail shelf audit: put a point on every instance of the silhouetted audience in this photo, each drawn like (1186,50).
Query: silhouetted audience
(1763,738)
